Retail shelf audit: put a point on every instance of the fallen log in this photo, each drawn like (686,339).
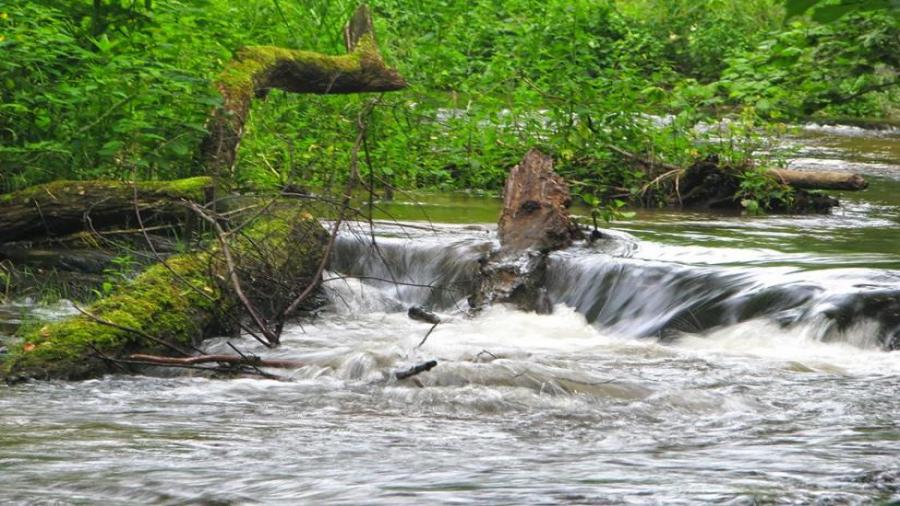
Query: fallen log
(708,184)
(256,70)
(89,261)
(176,303)
(65,207)
(421,314)
(816,180)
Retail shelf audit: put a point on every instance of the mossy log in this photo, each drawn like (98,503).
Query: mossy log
(256,70)
(65,207)
(174,305)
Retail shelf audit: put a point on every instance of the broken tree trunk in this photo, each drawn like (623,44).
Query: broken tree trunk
(176,303)
(256,70)
(809,180)
(534,221)
(535,207)
(64,207)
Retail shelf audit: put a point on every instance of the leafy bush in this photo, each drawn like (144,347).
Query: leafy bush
(123,91)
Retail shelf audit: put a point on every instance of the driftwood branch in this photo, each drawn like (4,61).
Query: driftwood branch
(344,206)
(819,180)
(413,371)
(271,338)
(248,360)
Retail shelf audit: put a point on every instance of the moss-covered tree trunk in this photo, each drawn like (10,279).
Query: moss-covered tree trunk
(64,207)
(257,69)
(175,304)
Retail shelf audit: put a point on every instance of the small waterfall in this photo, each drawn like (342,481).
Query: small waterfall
(651,298)
(632,297)
(436,272)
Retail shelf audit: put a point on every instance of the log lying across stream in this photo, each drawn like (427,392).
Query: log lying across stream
(176,303)
(264,268)
(707,184)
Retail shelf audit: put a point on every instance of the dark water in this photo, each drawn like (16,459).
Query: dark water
(692,358)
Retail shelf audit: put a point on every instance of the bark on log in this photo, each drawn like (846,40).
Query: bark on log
(256,70)
(535,207)
(90,261)
(809,180)
(64,207)
(179,302)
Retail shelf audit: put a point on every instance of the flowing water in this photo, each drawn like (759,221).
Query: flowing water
(690,358)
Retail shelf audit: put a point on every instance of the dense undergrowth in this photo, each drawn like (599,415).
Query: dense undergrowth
(121,89)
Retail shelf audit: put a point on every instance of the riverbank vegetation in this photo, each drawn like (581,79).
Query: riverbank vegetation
(122,89)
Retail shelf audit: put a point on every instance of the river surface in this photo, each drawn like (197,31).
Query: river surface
(690,358)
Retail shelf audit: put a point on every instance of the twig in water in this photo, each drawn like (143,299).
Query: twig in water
(485,352)
(108,359)
(220,359)
(415,370)
(253,359)
(426,335)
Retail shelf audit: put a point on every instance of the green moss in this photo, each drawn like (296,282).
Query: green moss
(192,188)
(161,304)
(250,68)
(155,303)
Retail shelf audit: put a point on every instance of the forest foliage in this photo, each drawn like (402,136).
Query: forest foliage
(122,88)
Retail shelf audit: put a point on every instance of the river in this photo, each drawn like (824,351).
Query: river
(690,358)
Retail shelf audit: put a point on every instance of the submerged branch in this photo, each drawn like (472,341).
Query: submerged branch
(249,360)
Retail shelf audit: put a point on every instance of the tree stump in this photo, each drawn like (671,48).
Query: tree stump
(535,207)
(534,222)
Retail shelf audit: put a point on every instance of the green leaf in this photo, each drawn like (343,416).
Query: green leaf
(111,147)
(794,8)
(829,13)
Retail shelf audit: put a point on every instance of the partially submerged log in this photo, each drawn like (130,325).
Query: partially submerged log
(534,221)
(173,305)
(708,184)
(256,70)
(65,207)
